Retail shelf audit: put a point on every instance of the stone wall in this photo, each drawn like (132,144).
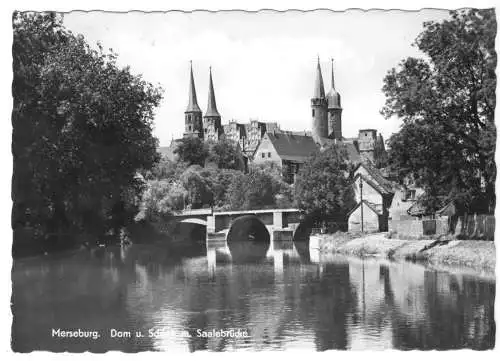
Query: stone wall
(414,228)
(407,228)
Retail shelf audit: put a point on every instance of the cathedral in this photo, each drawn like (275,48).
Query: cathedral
(209,126)
(265,141)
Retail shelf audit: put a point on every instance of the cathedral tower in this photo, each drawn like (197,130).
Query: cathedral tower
(212,120)
(319,106)
(192,115)
(334,112)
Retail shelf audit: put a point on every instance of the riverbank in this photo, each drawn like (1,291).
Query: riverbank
(461,253)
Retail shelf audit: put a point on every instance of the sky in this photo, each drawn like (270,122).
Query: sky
(264,63)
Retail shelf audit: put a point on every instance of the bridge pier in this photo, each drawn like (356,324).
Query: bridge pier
(211,224)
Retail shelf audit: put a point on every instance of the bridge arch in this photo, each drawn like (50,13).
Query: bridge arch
(248,228)
(248,239)
(201,222)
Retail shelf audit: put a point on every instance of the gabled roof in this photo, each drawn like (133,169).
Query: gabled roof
(377,175)
(292,147)
(296,146)
(377,208)
(378,188)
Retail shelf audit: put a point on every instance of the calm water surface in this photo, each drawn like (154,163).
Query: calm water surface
(283,299)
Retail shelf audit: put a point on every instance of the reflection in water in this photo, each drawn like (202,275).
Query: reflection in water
(280,299)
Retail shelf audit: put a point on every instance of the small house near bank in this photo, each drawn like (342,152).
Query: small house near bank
(375,193)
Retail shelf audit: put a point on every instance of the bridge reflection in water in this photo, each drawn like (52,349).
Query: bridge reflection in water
(278,253)
(284,300)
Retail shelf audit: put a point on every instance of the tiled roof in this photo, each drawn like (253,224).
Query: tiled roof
(348,149)
(293,147)
(374,185)
(377,175)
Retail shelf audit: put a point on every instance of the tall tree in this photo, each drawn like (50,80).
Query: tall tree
(192,151)
(322,188)
(226,154)
(446,102)
(82,129)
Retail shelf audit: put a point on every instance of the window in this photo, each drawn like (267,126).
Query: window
(189,128)
(263,155)
(409,195)
(269,154)
(313,112)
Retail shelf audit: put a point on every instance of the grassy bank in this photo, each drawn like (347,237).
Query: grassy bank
(472,254)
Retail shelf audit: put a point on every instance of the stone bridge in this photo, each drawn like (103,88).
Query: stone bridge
(277,221)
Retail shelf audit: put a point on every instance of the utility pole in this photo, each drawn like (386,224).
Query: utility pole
(361,202)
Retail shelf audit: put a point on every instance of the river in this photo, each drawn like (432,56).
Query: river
(138,298)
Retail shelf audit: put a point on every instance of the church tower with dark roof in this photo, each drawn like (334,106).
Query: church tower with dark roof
(212,119)
(334,112)
(319,107)
(192,116)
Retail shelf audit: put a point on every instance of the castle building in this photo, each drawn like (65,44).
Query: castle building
(265,141)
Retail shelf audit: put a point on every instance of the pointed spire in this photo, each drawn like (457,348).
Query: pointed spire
(333,96)
(333,79)
(193,102)
(319,89)
(212,105)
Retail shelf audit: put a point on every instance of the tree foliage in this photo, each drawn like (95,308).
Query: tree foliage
(446,102)
(82,129)
(198,186)
(322,188)
(226,154)
(192,151)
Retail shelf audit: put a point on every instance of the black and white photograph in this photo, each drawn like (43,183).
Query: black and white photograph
(231,180)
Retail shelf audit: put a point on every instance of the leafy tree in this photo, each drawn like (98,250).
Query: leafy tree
(251,191)
(322,187)
(446,102)
(198,187)
(192,151)
(220,181)
(166,169)
(82,129)
(226,154)
(160,199)
(236,192)
(260,191)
